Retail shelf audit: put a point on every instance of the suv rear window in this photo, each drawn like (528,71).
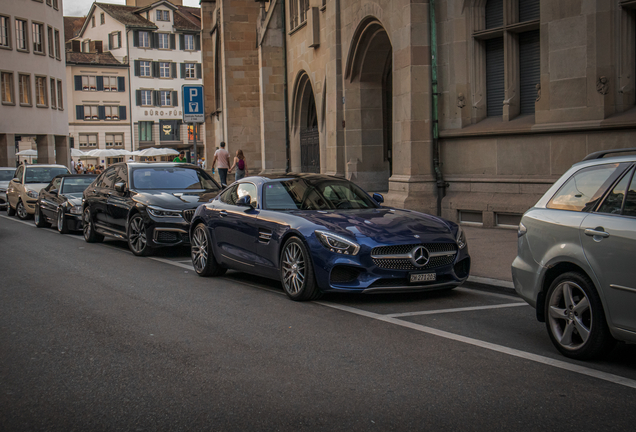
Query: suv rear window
(586,187)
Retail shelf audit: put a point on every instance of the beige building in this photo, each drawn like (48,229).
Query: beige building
(32,81)
(519,91)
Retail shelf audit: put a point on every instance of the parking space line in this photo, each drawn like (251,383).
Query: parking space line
(174,263)
(490,346)
(487,293)
(464,309)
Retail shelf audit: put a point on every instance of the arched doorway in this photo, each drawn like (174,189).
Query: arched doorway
(306,125)
(369,107)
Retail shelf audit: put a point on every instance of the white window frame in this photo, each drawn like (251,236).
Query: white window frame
(8,83)
(22,91)
(5,32)
(21,35)
(188,41)
(91,113)
(145,65)
(190,71)
(164,69)
(146,94)
(144,39)
(166,98)
(111,112)
(164,41)
(52,90)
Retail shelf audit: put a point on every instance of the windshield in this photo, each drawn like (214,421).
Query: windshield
(301,194)
(43,174)
(170,178)
(6,175)
(75,185)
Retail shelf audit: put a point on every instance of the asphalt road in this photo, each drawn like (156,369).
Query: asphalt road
(93,338)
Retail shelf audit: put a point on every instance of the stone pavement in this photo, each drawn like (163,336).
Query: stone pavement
(492,251)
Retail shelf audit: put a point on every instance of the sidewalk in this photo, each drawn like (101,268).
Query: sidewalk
(492,251)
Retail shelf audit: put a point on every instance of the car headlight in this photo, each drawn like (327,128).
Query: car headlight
(76,210)
(461,238)
(32,194)
(521,230)
(159,212)
(336,243)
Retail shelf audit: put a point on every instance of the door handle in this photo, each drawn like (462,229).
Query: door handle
(223,213)
(596,232)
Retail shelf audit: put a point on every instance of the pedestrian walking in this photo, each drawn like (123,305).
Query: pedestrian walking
(223,158)
(181,158)
(240,164)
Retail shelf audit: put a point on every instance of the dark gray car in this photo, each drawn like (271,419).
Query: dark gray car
(577,255)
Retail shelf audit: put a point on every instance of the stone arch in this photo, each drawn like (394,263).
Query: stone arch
(305,133)
(369,106)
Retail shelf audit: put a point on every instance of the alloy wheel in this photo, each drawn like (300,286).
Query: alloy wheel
(199,249)
(36,216)
(137,234)
(21,210)
(570,316)
(86,222)
(293,268)
(60,221)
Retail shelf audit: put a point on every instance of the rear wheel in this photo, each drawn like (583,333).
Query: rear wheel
(21,210)
(62,227)
(89,229)
(39,218)
(137,240)
(203,259)
(297,272)
(575,318)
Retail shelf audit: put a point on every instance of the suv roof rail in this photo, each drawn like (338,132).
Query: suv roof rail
(602,153)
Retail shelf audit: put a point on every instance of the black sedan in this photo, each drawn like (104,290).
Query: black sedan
(318,233)
(149,205)
(60,202)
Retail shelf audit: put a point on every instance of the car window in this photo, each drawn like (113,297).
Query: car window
(76,185)
(108,180)
(18,174)
(122,175)
(230,196)
(629,208)
(613,203)
(43,174)
(55,184)
(172,178)
(247,189)
(585,188)
(7,175)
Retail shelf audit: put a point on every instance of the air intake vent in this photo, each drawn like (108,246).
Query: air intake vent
(264,236)
(188,215)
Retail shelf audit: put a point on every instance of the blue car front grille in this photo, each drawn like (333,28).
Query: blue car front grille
(394,263)
(404,249)
(406,264)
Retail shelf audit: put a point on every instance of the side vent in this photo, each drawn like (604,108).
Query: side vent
(264,236)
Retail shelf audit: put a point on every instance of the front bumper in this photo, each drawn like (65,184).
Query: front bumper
(364,276)
(3,200)
(166,232)
(29,205)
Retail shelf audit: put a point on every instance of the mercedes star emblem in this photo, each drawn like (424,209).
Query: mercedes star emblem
(419,256)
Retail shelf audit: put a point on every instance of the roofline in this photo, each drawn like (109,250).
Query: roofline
(153,5)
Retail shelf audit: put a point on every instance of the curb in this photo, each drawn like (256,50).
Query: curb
(492,282)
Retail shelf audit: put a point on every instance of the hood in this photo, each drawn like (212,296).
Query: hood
(382,225)
(37,187)
(4,184)
(74,199)
(173,200)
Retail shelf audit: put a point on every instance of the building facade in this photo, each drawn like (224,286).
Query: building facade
(466,108)
(161,43)
(32,81)
(99,93)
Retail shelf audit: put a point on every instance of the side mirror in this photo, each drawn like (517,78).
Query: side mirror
(378,198)
(244,201)
(120,187)
(53,192)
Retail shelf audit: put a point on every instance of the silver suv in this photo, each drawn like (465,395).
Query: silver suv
(576,250)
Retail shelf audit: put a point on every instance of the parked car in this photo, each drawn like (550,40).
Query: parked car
(61,202)
(576,250)
(318,233)
(149,205)
(23,190)
(6,174)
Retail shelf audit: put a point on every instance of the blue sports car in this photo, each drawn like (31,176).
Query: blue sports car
(317,233)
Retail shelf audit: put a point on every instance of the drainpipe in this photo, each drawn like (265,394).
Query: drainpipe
(441,184)
(285,91)
(132,130)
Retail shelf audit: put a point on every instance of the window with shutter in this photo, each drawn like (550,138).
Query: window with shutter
(529,72)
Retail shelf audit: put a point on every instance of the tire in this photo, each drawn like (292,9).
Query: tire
(39,218)
(62,227)
(137,241)
(88,228)
(202,255)
(21,211)
(575,318)
(10,210)
(297,272)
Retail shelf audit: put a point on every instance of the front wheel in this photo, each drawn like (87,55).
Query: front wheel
(202,256)
(575,318)
(62,226)
(21,210)
(39,218)
(297,272)
(137,240)
(89,229)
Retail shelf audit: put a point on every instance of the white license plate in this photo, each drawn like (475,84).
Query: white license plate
(423,277)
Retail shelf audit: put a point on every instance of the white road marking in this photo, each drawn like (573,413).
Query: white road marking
(464,309)
(491,281)
(487,293)
(174,263)
(490,346)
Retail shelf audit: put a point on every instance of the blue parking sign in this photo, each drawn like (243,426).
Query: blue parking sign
(193,109)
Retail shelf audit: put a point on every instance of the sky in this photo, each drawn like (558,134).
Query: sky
(81,7)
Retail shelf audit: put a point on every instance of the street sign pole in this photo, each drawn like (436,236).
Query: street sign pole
(194,133)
